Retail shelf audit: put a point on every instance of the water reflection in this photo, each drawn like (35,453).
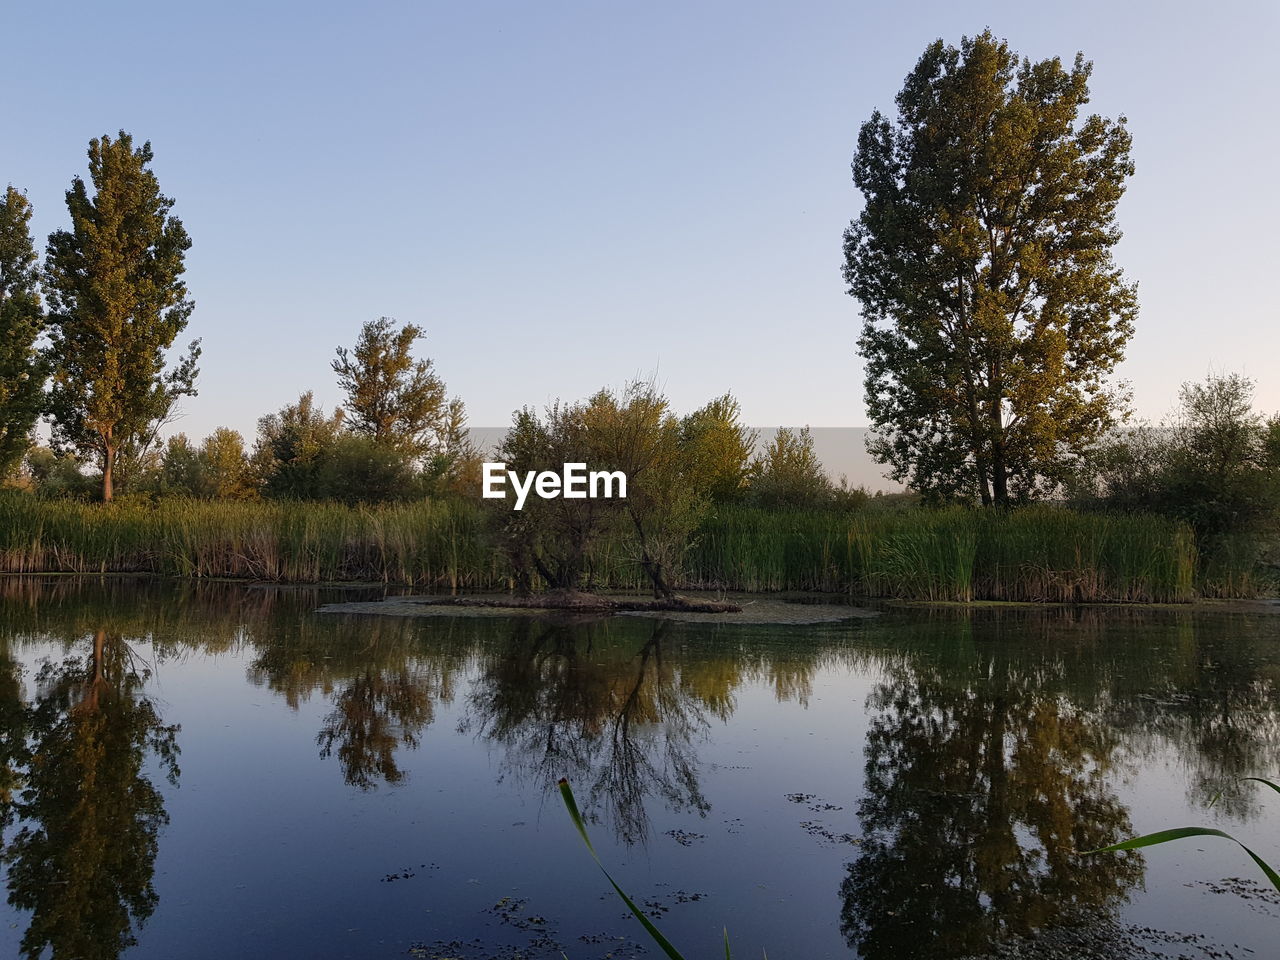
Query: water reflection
(382,680)
(87,814)
(982,783)
(997,743)
(566,700)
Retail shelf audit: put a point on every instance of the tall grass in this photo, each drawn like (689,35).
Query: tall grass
(1034,554)
(427,543)
(956,554)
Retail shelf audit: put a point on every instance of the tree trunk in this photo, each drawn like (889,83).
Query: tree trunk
(108,469)
(98,679)
(975,444)
(999,473)
(999,476)
(661,589)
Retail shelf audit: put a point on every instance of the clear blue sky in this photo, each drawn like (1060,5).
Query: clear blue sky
(568,194)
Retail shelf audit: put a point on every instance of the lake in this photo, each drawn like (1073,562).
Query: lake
(215,770)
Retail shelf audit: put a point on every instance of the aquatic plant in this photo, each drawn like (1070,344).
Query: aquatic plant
(1179,833)
(1041,553)
(1037,554)
(663,943)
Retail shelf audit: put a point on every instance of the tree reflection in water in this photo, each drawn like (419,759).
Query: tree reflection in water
(994,740)
(981,786)
(87,815)
(383,681)
(565,700)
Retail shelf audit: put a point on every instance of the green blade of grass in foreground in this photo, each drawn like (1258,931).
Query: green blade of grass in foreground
(572,806)
(1164,836)
(1263,780)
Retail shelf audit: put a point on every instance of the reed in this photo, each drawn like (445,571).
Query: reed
(1182,833)
(1038,553)
(1034,554)
(430,543)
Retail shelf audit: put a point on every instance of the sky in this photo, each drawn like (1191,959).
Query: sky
(566,195)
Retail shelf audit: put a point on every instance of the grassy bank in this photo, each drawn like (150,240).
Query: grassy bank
(956,554)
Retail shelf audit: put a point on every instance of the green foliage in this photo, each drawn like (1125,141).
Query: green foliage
(1041,554)
(1180,833)
(391,397)
(717,449)
(116,303)
(180,468)
(552,538)
(292,447)
(217,470)
(788,472)
(453,466)
(225,465)
(633,432)
(22,368)
(1218,476)
(55,474)
(302,454)
(359,469)
(1211,464)
(993,312)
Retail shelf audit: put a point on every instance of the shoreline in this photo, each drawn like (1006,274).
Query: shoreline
(752,610)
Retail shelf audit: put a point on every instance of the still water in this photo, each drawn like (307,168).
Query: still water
(214,770)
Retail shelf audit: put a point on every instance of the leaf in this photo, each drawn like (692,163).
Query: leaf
(572,806)
(1179,833)
(1270,783)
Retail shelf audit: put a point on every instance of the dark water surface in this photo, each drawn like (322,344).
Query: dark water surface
(213,770)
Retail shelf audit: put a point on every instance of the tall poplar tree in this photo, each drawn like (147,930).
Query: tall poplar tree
(22,370)
(993,311)
(117,301)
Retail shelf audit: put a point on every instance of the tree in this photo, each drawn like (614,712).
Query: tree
(83,858)
(181,471)
(22,369)
(358,469)
(225,465)
(552,537)
(993,312)
(216,470)
(636,432)
(632,431)
(1217,429)
(117,301)
(718,448)
(397,400)
(788,472)
(292,448)
(1209,464)
(57,474)
(454,466)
